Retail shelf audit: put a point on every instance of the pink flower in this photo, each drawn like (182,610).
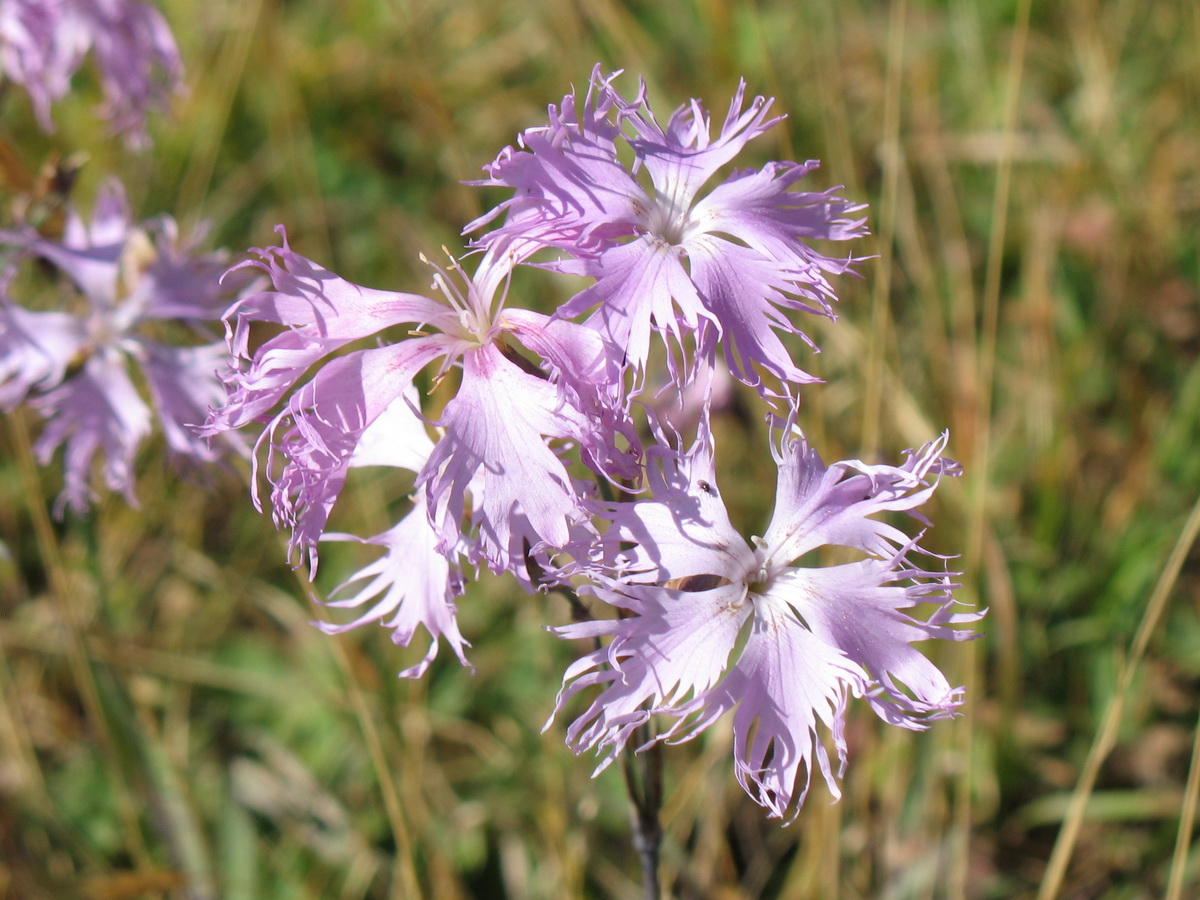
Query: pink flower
(692,591)
(77,370)
(507,425)
(44,42)
(717,269)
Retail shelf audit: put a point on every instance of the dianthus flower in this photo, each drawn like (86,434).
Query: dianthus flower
(75,369)
(504,429)
(691,592)
(719,269)
(44,42)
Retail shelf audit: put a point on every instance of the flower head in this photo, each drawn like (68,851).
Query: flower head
(722,268)
(80,369)
(507,424)
(692,592)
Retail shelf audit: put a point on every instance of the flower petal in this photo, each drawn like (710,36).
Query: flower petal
(681,158)
(640,286)
(859,608)
(785,682)
(588,373)
(570,187)
(317,432)
(497,425)
(183,385)
(413,584)
(817,505)
(674,648)
(321,313)
(96,411)
(36,349)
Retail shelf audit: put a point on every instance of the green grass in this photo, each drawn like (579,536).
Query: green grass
(172,726)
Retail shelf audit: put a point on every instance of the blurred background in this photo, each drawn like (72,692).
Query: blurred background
(1033,179)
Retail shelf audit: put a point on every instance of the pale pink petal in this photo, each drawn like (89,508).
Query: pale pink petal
(413,584)
(314,437)
(685,531)
(33,54)
(588,373)
(398,437)
(89,255)
(137,58)
(816,505)
(675,647)
(181,283)
(682,158)
(746,293)
(860,608)
(97,411)
(785,682)
(36,348)
(758,208)
(569,183)
(184,384)
(497,425)
(641,286)
(320,312)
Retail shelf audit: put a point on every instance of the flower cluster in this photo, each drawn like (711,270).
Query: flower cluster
(80,368)
(44,42)
(553,460)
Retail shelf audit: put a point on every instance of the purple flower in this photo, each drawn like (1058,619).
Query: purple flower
(44,42)
(75,368)
(691,591)
(503,431)
(721,268)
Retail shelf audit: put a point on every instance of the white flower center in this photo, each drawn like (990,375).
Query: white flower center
(668,220)
(759,578)
(474,316)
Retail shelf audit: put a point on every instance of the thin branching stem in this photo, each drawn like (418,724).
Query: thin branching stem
(643,783)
